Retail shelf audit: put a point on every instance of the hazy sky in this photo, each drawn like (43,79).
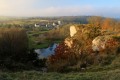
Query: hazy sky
(107,8)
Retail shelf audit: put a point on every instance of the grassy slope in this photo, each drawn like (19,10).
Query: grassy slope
(34,75)
(109,72)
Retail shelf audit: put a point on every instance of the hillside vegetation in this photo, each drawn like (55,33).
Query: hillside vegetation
(79,51)
(91,52)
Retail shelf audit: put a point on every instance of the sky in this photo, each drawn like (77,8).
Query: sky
(31,8)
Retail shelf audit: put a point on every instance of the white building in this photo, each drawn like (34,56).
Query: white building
(59,22)
(37,25)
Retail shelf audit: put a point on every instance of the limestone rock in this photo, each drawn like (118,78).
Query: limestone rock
(100,42)
(68,42)
(73,31)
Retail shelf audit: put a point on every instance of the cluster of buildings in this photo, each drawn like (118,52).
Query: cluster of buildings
(48,25)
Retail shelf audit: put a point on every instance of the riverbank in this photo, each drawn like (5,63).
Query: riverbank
(38,40)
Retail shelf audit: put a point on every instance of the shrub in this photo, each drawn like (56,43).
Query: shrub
(57,61)
(14,48)
(65,57)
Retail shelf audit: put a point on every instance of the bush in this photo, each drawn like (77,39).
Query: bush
(60,59)
(14,48)
(65,57)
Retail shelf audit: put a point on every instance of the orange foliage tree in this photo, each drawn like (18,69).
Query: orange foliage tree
(108,24)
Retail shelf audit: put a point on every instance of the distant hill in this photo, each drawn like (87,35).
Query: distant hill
(69,19)
(4,18)
(76,19)
(117,19)
(7,18)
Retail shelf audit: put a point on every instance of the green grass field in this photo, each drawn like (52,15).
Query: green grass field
(35,75)
(34,36)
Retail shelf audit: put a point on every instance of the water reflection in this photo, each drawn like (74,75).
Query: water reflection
(44,53)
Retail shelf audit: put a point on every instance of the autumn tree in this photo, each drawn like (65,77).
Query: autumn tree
(117,26)
(108,24)
(95,21)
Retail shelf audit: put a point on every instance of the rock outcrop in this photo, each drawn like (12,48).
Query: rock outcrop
(73,30)
(68,42)
(99,43)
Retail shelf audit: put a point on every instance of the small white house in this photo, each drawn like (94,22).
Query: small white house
(37,25)
(54,24)
(59,22)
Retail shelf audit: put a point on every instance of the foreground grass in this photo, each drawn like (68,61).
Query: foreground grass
(35,75)
(109,72)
